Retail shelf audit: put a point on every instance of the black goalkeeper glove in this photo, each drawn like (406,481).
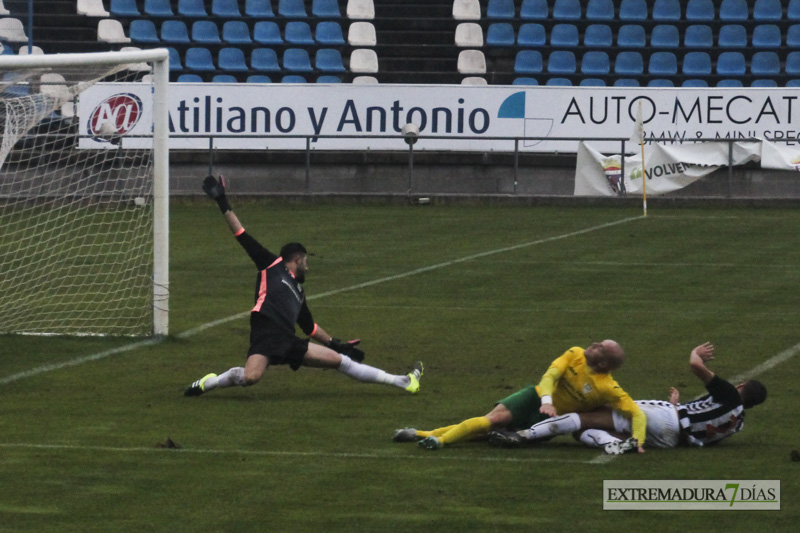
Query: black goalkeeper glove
(216,190)
(348,348)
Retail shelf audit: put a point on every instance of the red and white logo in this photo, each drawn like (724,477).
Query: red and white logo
(115,116)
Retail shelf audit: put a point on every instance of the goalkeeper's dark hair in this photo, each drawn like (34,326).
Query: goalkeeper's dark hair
(290,251)
(753,393)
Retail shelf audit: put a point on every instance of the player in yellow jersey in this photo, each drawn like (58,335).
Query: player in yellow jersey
(578,381)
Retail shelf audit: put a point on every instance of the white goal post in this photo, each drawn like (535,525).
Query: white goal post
(84,201)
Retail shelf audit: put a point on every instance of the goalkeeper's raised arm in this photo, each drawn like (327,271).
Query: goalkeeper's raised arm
(215,189)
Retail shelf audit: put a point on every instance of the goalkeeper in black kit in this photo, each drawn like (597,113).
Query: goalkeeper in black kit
(280,303)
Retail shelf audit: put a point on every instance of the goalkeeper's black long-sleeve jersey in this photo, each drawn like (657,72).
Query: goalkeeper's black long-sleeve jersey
(278,296)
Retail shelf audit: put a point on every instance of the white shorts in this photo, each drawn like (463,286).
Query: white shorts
(663,429)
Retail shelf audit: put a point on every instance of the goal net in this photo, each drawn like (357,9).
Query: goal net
(83,194)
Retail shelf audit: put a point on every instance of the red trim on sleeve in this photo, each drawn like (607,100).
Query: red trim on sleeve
(316,327)
(239,232)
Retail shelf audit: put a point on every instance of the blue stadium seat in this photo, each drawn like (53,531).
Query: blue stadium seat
(124,8)
(199,58)
(174,59)
(765,64)
(597,36)
(298,32)
(500,9)
(500,34)
(534,10)
(731,64)
(793,11)
(629,63)
(665,36)
(559,82)
(632,10)
(561,62)
(792,66)
(631,36)
(700,10)
(663,64)
(143,31)
(158,8)
(694,83)
(190,78)
(225,8)
(626,82)
(660,82)
(767,10)
(264,60)
(296,60)
(696,64)
(730,83)
(528,62)
(564,36)
(329,78)
(261,9)
(732,36)
(764,83)
(236,32)
(329,60)
(292,9)
(267,32)
(293,78)
(793,83)
(205,32)
(524,81)
(258,78)
(734,11)
(329,32)
(531,34)
(595,62)
(767,36)
(793,36)
(592,82)
(666,11)
(600,10)
(567,10)
(698,36)
(192,8)
(325,9)
(224,78)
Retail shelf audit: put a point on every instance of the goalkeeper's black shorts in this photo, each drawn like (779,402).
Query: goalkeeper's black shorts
(278,347)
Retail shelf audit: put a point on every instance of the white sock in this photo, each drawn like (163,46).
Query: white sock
(557,425)
(370,374)
(597,438)
(231,378)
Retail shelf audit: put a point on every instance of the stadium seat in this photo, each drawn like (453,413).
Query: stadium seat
(174,59)
(792,65)
(264,60)
(292,9)
(360,9)
(158,8)
(700,10)
(362,33)
(534,10)
(531,34)
(474,80)
(89,8)
(225,8)
(732,36)
(124,8)
(293,78)
(595,62)
(500,34)
(559,82)
(694,83)
(329,78)
(6,50)
(471,62)
(561,62)
(190,78)
(660,82)
(199,59)
(236,32)
(793,11)
(592,82)
(662,64)
(224,78)
(174,31)
(731,64)
(767,10)
(626,82)
(524,81)
(363,61)
(665,36)
(261,9)
(329,60)
(734,11)
(793,83)
(666,11)
(34,50)
(108,31)
(528,62)
(597,10)
(232,58)
(698,36)
(730,83)
(296,60)
(631,36)
(298,32)
(764,83)
(466,10)
(500,9)
(567,10)
(765,64)
(192,8)
(793,36)
(258,78)
(629,63)
(325,9)
(329,32)
(143,31)
(696,64)
(597,36)
(267,32)
(365,80)
(632,10)
(767,36)
(205,32)
(564,36)
(469,35)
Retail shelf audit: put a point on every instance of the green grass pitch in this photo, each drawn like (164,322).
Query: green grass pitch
(486,297)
